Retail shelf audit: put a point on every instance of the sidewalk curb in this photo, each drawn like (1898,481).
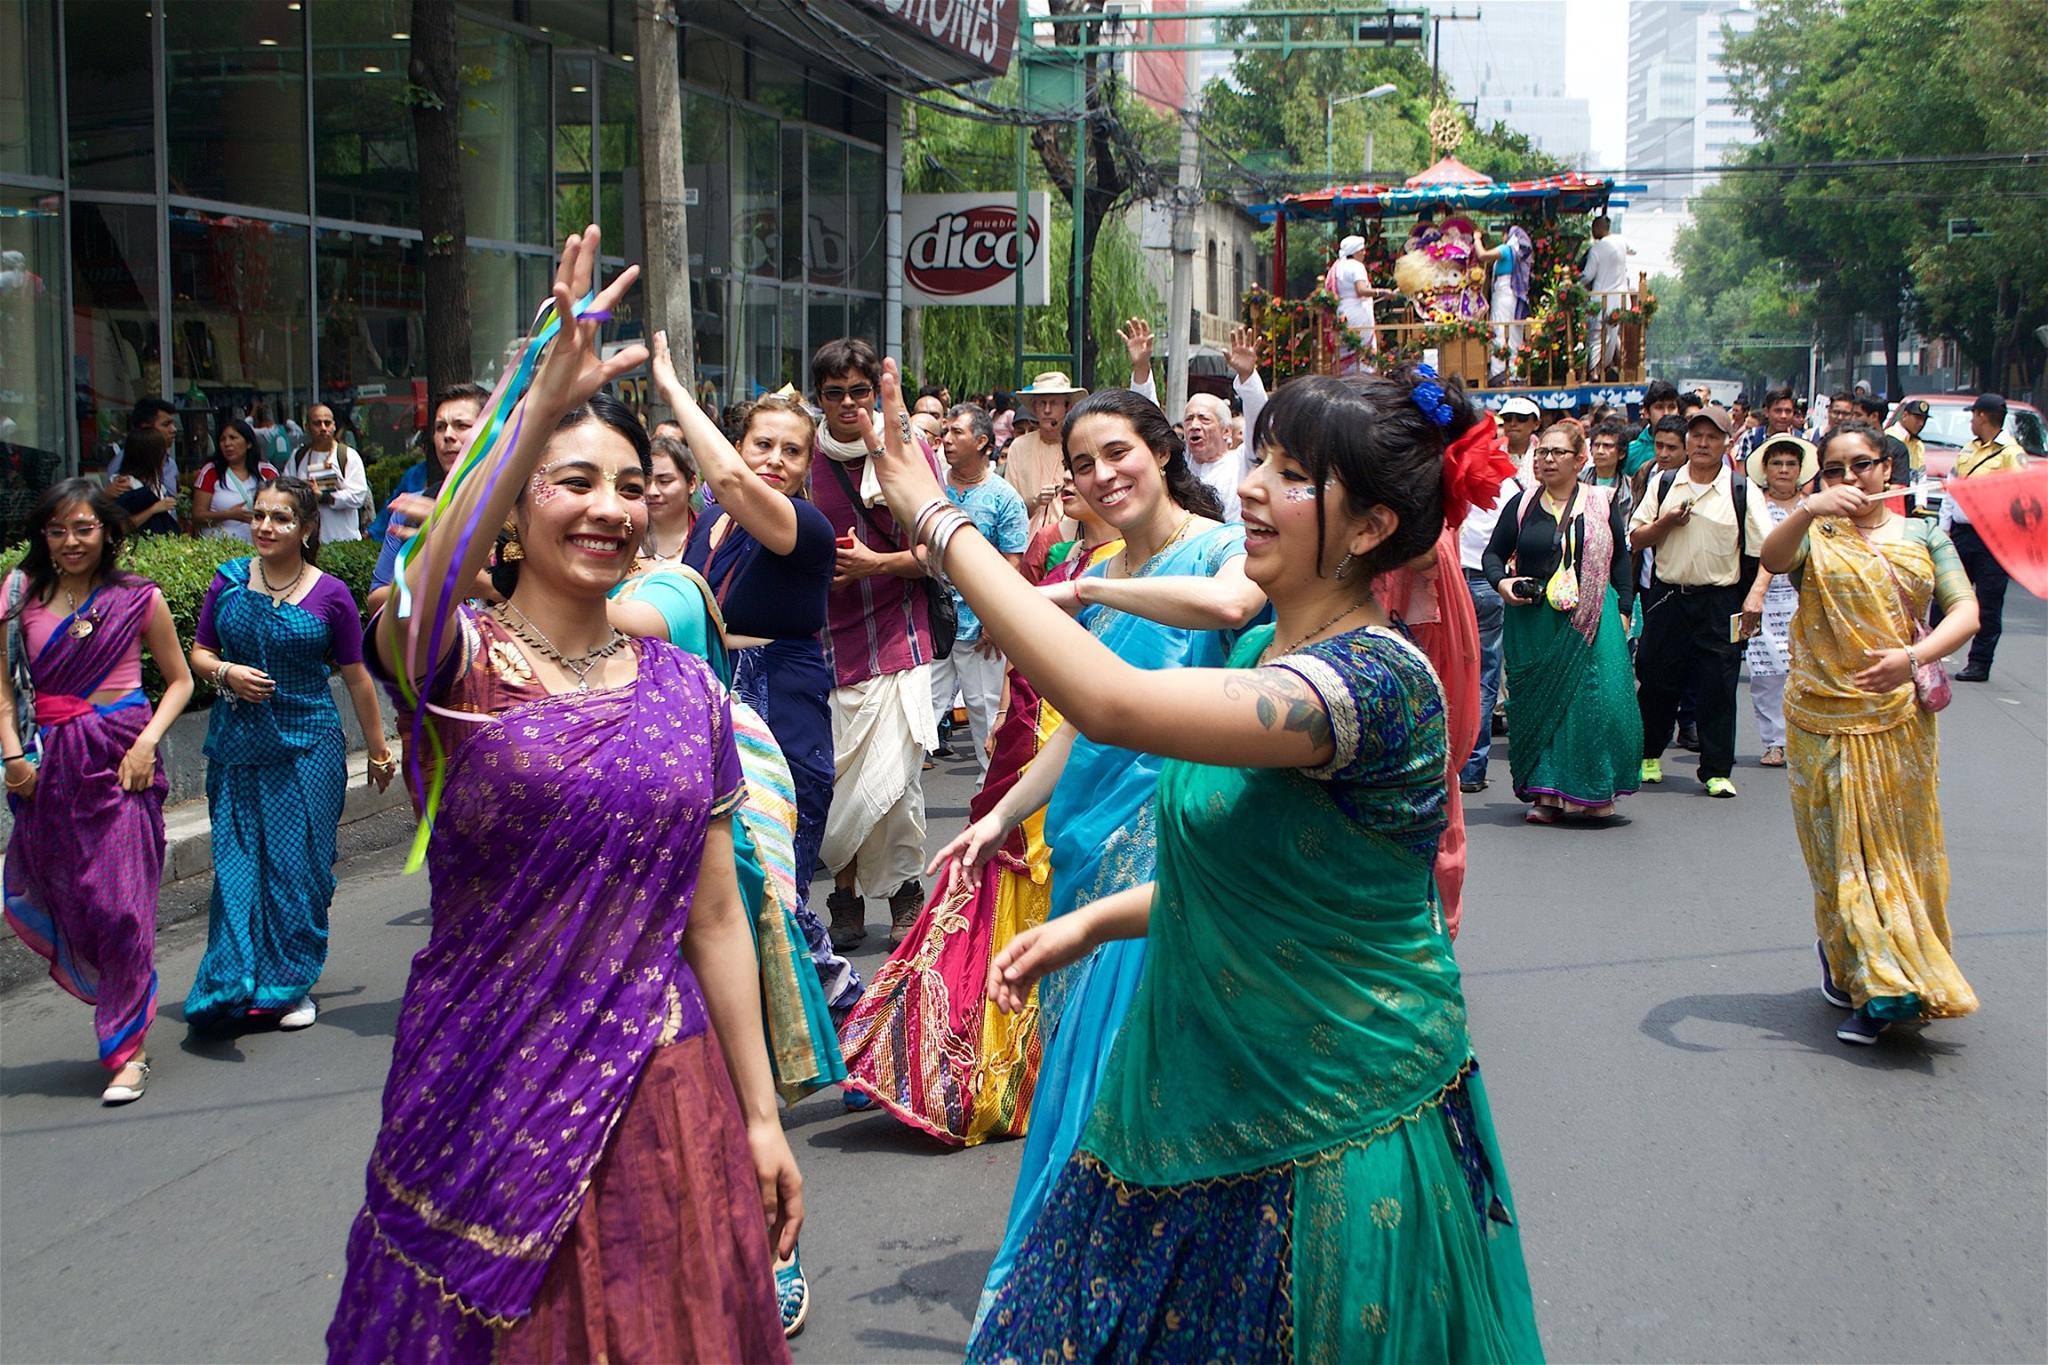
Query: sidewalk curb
(370,821)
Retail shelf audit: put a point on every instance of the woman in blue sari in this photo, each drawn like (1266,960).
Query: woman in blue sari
(277,761)
(1185,571)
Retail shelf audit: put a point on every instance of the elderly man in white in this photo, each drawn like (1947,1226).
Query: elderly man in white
(1205,420)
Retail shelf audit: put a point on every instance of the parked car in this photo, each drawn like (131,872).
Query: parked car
(1947,433)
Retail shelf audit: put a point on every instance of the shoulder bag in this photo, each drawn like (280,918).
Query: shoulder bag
(939,607)
(1930,676)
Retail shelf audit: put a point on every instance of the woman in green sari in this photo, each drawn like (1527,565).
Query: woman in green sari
(1291,1155)
(1559,560)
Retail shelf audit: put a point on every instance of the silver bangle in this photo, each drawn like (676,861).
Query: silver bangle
(937,504)
(944,527)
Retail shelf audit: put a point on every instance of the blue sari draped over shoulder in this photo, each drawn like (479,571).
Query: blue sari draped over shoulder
(1102,826)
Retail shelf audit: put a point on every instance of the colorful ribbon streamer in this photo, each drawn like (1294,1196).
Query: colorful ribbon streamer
(495,433)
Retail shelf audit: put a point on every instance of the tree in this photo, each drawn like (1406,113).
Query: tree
(1733,309)
(433,88)
(664,221)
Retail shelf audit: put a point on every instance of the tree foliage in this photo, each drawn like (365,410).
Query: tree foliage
(1827,82)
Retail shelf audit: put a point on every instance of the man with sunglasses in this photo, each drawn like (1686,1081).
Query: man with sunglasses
(878,642)
(1706,525)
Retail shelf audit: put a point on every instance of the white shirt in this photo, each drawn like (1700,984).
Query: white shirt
(1223,474)
(1479,524)
(1606,269)
(340,519)
(1356,312)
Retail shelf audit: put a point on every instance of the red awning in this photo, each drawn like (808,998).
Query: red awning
(1449,171)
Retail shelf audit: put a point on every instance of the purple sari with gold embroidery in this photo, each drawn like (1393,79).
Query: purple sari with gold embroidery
(85,857)
(563,865)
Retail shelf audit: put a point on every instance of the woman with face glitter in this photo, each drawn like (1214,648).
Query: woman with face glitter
(581,1155)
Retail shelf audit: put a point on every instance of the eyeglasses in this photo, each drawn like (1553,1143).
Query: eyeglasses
(283,521)
(859,393)
(1835,473)
(78,530)
(1555,452)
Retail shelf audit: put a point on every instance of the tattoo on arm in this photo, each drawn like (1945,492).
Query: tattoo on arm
(1283,702)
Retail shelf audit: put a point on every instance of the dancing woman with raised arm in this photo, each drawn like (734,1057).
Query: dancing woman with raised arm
(1292,1153)
(580,1137)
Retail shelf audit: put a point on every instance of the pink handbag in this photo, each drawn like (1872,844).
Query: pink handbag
(1930,676)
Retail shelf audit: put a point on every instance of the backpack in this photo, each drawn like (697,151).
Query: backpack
(1746,564)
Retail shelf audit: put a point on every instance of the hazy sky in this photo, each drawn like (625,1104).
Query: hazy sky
(1596,70)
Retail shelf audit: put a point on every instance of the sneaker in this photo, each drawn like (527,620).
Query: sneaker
(300,1015)
(1829,991)
(906,903)
(849,918)
(1689,738)
(1471,785)
(792,1294)
(127,1094)
(1861,1029)
(1653,771)
(1720,786)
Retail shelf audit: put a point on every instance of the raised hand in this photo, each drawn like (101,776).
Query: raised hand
(1243,355)
(1137,335)
(662,369)
(573,369)
(907,478)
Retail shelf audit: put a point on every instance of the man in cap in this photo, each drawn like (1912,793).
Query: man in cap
(1519,418)
(1355,292)
(1907,424)
(1205,419)
(1706,525)
(1990,451)
(1036,461)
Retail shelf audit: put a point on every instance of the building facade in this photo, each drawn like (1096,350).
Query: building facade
(1681,120)
(1509,61)
(213,201)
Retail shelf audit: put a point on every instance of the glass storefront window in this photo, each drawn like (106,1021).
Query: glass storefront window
(712,62)
(28,88)
(776,84)
(792,203)
(110,94)
(505,134)
(707,311)
(864,319)
(498,311)
(757,354)
(827,229)
(581,21)
(32,426)
(240,334)
(826,317)
(864,172)
(618,160)
(825,100)
(235,101)
(704,171)
(363,154)
(573,208)
(757,194)
(796,362)
(114,320)
(372,322)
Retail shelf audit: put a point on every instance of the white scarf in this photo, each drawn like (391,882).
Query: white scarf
(846,452)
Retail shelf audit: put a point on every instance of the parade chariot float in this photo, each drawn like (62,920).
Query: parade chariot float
(1442,314)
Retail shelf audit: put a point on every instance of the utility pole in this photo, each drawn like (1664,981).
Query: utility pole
(1436,48)
(663,221)
(1187,195)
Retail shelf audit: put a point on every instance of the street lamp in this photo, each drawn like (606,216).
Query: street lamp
(1330,128)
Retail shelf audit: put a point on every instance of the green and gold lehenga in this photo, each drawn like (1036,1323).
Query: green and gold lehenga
(1291,1156)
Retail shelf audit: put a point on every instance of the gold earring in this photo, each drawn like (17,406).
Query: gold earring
(512,551)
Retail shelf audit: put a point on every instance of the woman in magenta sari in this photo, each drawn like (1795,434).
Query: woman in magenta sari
(83,779)
(580,1156)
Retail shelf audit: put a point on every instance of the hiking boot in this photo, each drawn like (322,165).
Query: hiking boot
(906,903)
(849,917)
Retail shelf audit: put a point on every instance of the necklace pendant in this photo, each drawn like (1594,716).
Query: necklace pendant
(81,628)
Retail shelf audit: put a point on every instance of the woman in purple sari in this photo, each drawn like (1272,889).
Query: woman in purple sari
(83,779)
(580,1134)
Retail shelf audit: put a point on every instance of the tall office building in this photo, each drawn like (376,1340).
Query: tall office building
(1509,63)
(1680,117)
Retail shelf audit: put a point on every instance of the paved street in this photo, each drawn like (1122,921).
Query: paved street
(1704,1173)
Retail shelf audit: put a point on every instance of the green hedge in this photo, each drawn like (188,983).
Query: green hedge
(183,566)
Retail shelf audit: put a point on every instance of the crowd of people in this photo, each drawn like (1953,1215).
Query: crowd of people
(1225,691)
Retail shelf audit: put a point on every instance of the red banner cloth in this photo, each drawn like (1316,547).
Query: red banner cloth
(2010,511)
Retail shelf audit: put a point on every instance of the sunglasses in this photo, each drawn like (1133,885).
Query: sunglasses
(859,393)
(1835,473)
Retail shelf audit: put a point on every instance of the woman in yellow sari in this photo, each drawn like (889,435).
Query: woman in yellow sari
(1861,748)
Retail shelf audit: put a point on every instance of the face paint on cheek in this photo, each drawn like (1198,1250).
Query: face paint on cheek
(629,523)
(541,490)
(1300,493)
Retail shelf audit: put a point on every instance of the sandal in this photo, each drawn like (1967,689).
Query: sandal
(1774,757)
(117,1093)
(1540,815)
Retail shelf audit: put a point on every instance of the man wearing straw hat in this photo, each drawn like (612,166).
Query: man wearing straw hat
(1037,460)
